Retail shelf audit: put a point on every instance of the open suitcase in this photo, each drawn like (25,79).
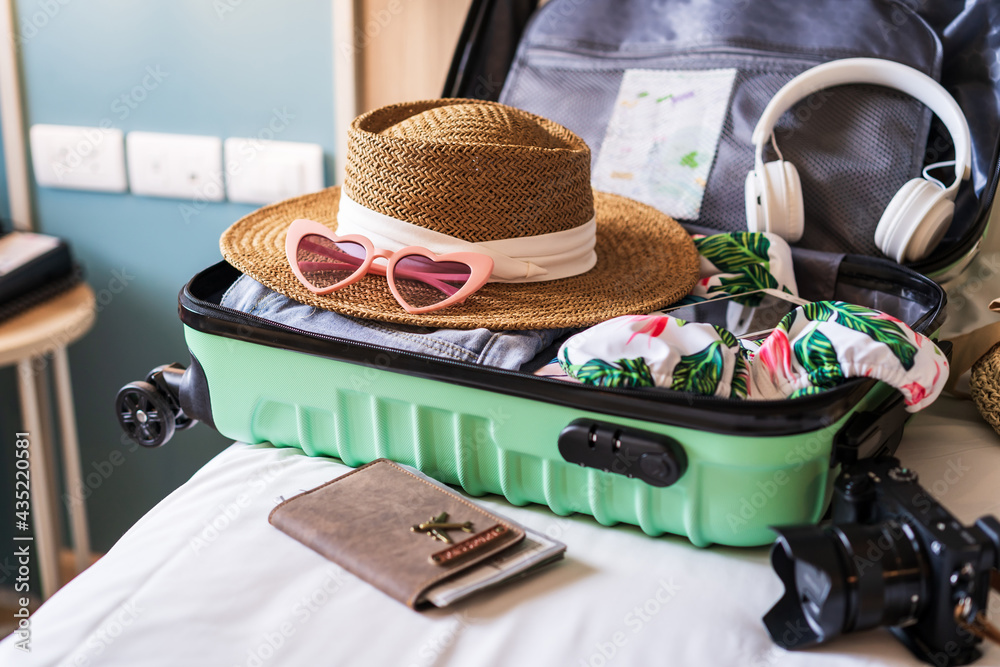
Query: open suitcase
(715,470)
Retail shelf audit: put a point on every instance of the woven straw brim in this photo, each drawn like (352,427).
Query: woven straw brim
(984,386)
(645,261)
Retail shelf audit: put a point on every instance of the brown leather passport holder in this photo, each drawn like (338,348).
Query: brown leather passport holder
(362,521)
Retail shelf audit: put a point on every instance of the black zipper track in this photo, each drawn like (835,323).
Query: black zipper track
(960,250)
(704,413)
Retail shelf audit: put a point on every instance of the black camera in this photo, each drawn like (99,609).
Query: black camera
(890,555)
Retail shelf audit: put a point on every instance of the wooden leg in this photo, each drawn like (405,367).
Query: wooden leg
(47,442)
(43,510)
(72,475)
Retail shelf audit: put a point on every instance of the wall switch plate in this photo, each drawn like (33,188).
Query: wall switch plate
(262,172)
(175,165)
(79,158)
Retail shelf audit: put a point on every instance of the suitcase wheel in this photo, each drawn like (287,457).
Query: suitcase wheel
(168,378)
(146,415)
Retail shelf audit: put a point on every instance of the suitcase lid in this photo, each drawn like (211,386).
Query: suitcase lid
(947,40)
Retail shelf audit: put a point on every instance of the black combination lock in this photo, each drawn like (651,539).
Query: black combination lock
(656,459)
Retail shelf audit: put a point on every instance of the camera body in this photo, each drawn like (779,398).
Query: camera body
(891,555)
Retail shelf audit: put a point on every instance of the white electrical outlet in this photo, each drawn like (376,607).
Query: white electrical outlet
(261,172)
(79,158)
(175,165)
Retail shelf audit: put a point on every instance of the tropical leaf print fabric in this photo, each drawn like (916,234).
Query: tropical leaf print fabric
(653,350)
(740,262)
(817,346)
(814,348)
(878,326)
(620,373)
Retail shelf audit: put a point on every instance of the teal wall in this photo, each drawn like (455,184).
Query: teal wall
(222,74)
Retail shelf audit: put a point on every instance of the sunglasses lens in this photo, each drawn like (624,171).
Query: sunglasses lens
(422,282)
(324,262)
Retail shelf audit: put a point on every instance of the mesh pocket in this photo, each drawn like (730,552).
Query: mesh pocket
(854,146)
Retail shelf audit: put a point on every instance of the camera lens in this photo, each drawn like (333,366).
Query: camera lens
(845,578)
(814,590)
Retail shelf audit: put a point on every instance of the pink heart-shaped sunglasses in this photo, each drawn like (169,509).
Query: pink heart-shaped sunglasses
(420,280)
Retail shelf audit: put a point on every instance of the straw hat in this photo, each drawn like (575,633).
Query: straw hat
(984,386)
(984,381)
(484,176)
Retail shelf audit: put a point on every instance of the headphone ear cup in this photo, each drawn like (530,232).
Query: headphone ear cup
(756,218)
(914,222)
(774,191)
(780,206)
(795,216)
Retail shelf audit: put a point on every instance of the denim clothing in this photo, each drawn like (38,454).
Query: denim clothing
(502,349)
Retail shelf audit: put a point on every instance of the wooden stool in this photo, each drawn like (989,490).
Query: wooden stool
(27,340)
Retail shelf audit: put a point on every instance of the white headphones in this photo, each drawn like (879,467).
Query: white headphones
(918,215)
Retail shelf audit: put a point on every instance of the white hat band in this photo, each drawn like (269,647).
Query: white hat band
(523,259)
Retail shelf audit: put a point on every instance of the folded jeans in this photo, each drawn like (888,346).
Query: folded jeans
(501,349)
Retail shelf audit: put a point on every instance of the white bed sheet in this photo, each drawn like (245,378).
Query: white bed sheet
(203,579)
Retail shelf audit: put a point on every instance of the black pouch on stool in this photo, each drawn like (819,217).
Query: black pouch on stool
(33,268)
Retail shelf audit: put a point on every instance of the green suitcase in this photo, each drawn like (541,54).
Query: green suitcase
(716,470)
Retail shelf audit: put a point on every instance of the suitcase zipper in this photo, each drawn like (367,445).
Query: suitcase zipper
(239,317)
(935,265)
(705,413)
(686,54)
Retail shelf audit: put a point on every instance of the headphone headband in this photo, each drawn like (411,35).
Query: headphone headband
(880,73)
